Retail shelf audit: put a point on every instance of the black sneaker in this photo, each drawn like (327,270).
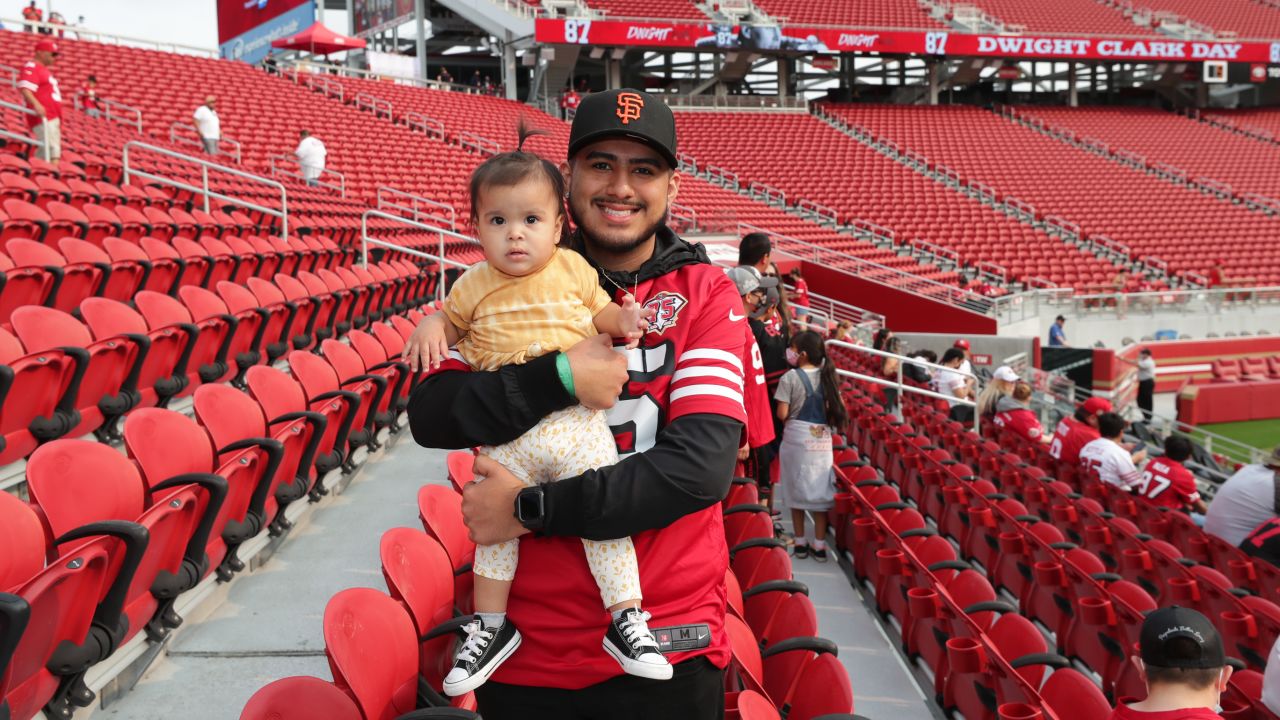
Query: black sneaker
(479,655)
(629,641)
(820,555)
(802,551)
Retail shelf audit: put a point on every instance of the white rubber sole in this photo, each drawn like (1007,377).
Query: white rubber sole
(639,669)
(471,683)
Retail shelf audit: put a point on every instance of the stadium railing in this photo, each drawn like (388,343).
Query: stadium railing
(445,235)
(116,111)
(422,209)
(281,166)
(17,137)
(903,387)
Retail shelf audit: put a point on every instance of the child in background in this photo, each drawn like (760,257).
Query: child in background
(809,402)
(528,298)
(799,293)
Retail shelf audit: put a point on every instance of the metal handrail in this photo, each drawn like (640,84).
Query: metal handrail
(902,387)
(13,73)
(340,187)
(451,215)
(205,167)
(344,71)
(132,116)
(430,126)
(179,139)
(44,148)
(377,105)
(366,241)
(81,33)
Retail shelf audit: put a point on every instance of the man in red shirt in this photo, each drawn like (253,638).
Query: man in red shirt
(676,409)
(1183,662)
(40,90)
(1073,433)
(569,102)
(1166,481)
(760,430)
(32,14)
(1014,417)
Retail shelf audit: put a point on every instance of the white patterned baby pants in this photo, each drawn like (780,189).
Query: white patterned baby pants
(564,444)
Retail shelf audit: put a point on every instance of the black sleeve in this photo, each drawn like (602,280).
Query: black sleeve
(457,409)
(688,469)
(773,348)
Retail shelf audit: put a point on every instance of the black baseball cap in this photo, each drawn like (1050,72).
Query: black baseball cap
(1161,627)
(625,113)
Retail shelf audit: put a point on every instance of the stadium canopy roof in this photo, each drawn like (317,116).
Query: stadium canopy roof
(318,40)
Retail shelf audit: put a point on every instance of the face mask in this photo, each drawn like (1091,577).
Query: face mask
(793,357)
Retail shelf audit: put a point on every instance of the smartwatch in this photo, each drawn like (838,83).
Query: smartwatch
(530,508)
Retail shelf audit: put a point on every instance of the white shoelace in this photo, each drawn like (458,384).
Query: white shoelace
(477,640)
(635,628)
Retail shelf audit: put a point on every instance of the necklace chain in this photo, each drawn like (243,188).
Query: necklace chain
(634,286)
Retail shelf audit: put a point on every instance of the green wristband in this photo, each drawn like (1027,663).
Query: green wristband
(566,374)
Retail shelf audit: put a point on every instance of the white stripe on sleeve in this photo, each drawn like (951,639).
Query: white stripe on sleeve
(699,390)
(710,354)
(707,371)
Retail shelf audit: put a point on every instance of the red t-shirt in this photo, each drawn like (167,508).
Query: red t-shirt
(1070,436)
(37,78)
(1021,422)
(88,98)
(689,362)
(755,393)
(570,101)
(1166,482)
(32,13)
(800,293)
(1124,712)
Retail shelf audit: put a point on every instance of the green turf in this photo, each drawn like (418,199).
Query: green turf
(1263,434)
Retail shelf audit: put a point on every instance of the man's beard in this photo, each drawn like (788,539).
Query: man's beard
(614,245)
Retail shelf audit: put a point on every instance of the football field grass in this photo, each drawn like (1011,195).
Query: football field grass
(1263,434)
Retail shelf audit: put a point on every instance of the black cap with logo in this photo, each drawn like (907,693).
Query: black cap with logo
(625,113)
(1163,626)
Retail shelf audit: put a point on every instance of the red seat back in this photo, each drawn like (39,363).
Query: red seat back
(300,698)
(369,640)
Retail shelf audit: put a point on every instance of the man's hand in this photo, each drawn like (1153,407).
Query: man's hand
(744,452)
(489,507)
(598,372)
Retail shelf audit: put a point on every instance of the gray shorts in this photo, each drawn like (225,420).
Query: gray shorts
(210,145)
(49,132)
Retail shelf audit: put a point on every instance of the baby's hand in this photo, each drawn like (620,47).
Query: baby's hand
(635,319)
(427,347)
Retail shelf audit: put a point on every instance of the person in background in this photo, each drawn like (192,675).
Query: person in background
(444,76)
(32,14)
(1183,662)
(916,372)
(954,385)
(779,316)
(1058,336)
(843,331)
(1014,415)
(476,80)
(1075,432)
(880,338)
(1167,482)
(569,101)
(311,154)
(1264,544)
(1271,680)
(40,90)
(756,452)
(1107,460)
(1245,500)
(55,18)
(966,367)
(269,64)
(1146,382)
(889,371)
(208,124)
(89,101)
(1000,387)
(755,251)
(799,292)
(809,402)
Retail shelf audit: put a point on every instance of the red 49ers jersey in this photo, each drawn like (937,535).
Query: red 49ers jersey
(690,362)
(756,393)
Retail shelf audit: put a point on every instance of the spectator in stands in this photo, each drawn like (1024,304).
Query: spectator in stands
(311,154)
(916,372)
(778,315)
(966,367)
(1014,415)
(1000,387)
(1168,483)
(844,332)
(809,403)
(1146,382)
(755,251)
(269,64)
(1058,336)
(1271,677)
(759,406)
(1264,544)
(32,14)
(1075,432)
(40,91)
(799,293)
(1106,459)
(55,18)
(1218,273)
(488,85)
(680,453)
(954,385)
(444,76)
(1183,662)
(889,367)
(569,101)
(89,101)
(881,337)
(208,125)
(476,80)
(1245,500)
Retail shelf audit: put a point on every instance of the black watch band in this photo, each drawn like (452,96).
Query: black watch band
(530,508)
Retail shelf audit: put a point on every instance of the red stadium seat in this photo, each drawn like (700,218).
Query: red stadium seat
(275,319)
(440,510)
(164,372)
(207,361)
(39,394)
(300,698)
(320,381)
(246,334)
(78,281)
(283,401)
(124,277)
(362,624)
(23,286)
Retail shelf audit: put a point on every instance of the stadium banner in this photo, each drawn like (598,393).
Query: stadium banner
(374,16)
(712,36)
(247,27)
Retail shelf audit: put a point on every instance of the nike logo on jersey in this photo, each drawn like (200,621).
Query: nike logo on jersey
(735,317)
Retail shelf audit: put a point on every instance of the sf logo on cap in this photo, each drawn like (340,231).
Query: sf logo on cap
(629,106)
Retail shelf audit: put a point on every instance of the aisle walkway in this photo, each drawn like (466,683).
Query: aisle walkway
(270,626)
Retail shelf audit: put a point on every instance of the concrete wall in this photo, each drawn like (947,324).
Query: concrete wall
(1089,327)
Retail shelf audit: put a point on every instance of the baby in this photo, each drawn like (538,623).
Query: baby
(528,298)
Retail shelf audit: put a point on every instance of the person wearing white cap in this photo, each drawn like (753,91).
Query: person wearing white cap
(1001,385)
(1245,500)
